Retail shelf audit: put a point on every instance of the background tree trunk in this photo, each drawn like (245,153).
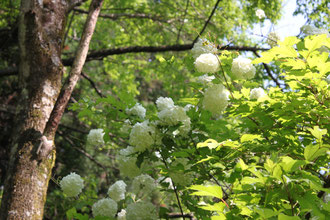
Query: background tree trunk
(41,29)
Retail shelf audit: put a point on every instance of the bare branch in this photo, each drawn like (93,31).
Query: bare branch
(92,84)
(115,16)
(182,21)
(75,72)
(268,71)
(208,20)
(100,54)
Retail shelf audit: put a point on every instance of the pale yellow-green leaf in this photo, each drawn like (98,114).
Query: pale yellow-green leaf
(214,191)
(317,132)
(250,137)
(210,143)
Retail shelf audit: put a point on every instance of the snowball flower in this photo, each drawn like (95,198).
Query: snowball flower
(143,183)
(72,184)
(172,116)
(141,211)
(127,162)
(164,103)
(117,191)
(216,99)
(207,63)
(105,207)
(242,68)
(260,13)
(205,79)
(95,137)
(121,215)
(203,46)
(142,136)
(257,93)
(272,39)
(137,110)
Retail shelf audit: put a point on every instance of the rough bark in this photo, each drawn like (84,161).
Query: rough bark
(41,28)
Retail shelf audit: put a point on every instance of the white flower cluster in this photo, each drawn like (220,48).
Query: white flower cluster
(170,114)
(141,211)
(121,215)
(127,163)
(311,30)
(142,136)
(216,99)
(257,93)
(260,13)
(72,184)
(117,191)
(181,177)
(205,79)
(95,137)
(143,183)
(203,46)
(242,68)
(137,110)
(164,103)
(105,207)
(207,63)
(273,38)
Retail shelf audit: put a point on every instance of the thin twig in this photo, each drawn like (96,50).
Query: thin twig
(182,22)
(208,20)
(93,84)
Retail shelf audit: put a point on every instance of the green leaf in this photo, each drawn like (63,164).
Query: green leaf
(313,151)
(192,101)
(214,191)
(290,165)
(71,213)
(250,137)
(218,217)
(205,159)
(242,165)
(218,207)
(317,132)
(281,216)
(210,143)
(265,212)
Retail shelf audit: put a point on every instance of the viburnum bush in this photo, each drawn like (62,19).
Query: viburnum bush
(235,150)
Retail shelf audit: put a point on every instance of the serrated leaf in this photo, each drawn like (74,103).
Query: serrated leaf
(250,137)
(214,191)
(265,212)
(317,132)
(218,207)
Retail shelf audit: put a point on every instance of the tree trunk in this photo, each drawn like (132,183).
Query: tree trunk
(41,28)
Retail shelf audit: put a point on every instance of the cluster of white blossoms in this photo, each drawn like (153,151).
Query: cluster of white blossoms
(105,207)
(311,30)
(127,163)
(205,79)
(121,215)
(72,184)
(207,63)
(117,191)
(95,137)
(141,211)
(257,93)
(164,103)
(242,68)
(170,114)
(273,38)
(142,136)
(260,13)
(216,99)
(137,110)
(143,184)
(203,46)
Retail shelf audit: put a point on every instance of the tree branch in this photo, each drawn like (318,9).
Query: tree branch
(207,22)
(92,84)
(115,16)
(75,72)
(268,71)
(100,54)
